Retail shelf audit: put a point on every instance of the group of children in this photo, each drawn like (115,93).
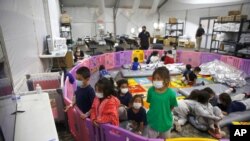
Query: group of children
(102,103)
(154,57)
(108,104)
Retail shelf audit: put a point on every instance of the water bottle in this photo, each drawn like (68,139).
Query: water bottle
(38,89)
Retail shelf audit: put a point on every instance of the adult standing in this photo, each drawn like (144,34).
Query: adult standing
(200,31)
(144,38)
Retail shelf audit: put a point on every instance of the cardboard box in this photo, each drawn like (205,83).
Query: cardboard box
(172,20)
(65,18)
(172,39)
(234,13)
(228,18)
(166,42)
(240,17)
(191,44)
(219,18)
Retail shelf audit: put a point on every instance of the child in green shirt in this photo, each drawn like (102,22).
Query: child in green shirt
(162,101)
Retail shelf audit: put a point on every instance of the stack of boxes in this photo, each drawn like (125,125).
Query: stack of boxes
(234,15)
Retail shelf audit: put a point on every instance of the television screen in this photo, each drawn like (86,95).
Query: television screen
(7,105)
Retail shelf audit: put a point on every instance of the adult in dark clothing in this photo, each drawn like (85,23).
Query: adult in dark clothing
(200,31)
(144,38)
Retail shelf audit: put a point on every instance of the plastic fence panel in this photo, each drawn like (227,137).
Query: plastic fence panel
(147,53)
(118,59)
(85,62)
(112,133)
(82,130)
(126,57)
(109,60)
(101,59)
(139,54)
(71,113)
(178,56)
(91,130)
(190,57)
(69,89)
(233,61)
(94,63)
(208,57)
(245,66)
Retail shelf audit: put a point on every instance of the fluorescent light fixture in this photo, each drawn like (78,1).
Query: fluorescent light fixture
(132,30)
(140,29)
(155,25)
(208,1)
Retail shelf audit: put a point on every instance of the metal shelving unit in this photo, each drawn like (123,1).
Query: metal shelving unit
(65,32)
(169,29)
(234,42)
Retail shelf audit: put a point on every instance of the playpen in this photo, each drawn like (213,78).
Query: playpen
(83,130)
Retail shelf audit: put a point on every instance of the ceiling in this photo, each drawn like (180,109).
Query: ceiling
(108,3)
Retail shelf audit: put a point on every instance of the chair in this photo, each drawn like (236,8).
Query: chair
(110,43)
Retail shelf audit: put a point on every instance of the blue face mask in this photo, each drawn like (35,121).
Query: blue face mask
(79,83)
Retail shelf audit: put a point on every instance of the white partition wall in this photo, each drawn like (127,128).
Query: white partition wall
(24,30)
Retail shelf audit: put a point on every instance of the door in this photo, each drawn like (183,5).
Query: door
(207,24)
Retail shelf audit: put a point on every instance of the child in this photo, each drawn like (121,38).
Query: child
(169,59)
(135,65)
(78,55)
(125,97)
(192,76)
(228,106)
(103,72)
(185,107)
(162,101)
(84,94)
(155,58)
(213,100)
(105,106)
(187,71)
(137,116)
(123,94)
(208,115)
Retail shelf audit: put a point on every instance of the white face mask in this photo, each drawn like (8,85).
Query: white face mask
(79,83)
(158,84)
(137,105)
(124,90)
(99,95)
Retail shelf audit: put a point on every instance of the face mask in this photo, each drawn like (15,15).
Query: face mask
(124,90)
(79,83)
(137,105)
(158,84)
(99,95)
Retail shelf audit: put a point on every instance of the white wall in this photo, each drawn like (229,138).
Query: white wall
(24,29)
(54,15)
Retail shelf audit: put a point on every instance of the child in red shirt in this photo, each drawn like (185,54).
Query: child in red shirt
(169,58)
(105,106)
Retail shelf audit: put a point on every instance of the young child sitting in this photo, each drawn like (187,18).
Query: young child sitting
(105,106)
(137,116)
(135,65)
(192,76)
(125,97)
(185,108)
(187,71)
(208,115)
(228,106)
(103,72)
(154,57)
(169,59)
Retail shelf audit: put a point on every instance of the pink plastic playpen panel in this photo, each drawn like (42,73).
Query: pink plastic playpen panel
(101,59)
(190,57)
(178,56)
(118,59)
(82,131)
(233,61)
(126,57)
(109,60)
(245,66)
(69,89)
(94,63)
(85,62)
(208,57)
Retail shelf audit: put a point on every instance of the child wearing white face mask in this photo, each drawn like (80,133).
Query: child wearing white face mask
(84,94)
(105,106)
(162,100)
(125,97)
(137,116)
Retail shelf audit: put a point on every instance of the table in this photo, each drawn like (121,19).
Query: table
(55,54)
(36,123)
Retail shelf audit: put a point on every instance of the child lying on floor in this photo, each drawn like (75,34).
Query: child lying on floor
(228,106)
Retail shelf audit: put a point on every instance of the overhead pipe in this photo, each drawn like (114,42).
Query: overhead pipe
(158,9)
(115,9)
